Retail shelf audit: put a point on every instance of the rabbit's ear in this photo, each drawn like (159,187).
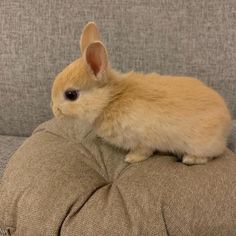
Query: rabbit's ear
(89,35)
(97,59)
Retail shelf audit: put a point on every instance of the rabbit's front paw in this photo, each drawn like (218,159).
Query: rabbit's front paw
(134,157)
(194,160)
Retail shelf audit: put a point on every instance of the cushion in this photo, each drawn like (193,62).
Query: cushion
(8,145)
(39,38)
(66,181)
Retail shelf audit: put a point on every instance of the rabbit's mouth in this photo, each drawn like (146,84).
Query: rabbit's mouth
(57,111)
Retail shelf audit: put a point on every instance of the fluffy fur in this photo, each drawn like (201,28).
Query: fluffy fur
(142,112)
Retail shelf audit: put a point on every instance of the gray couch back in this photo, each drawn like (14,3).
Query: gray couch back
(39,38)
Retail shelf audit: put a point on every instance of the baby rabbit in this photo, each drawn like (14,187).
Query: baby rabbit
(141,112)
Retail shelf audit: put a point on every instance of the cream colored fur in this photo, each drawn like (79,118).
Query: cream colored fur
(142,112)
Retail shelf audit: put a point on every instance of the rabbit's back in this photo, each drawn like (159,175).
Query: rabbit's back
(172,94)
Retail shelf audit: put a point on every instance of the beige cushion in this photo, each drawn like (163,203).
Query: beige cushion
(63,180)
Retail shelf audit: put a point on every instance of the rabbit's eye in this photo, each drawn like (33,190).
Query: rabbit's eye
(71,94)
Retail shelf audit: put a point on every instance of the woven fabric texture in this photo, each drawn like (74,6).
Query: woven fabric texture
(39,38)
(232,137)
(8,146)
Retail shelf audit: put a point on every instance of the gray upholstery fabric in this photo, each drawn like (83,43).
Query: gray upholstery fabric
(8,145)
(39,38)
(65,181)
(232,137)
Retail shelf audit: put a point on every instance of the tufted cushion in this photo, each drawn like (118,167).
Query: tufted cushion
(64,180)
(39,38)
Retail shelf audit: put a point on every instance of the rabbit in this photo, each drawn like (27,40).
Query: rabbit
(138,112)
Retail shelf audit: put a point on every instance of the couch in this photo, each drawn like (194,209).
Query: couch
(64,180)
